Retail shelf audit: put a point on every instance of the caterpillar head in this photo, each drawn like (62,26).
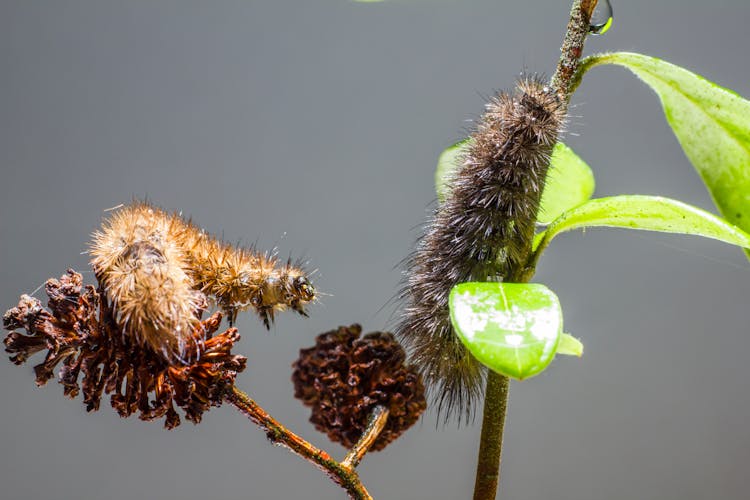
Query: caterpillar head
(303,292)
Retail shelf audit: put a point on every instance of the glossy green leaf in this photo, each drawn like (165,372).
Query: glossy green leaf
(570,182)
(650,213)
(569,345)
(448,162)
(711,123)
(512,328)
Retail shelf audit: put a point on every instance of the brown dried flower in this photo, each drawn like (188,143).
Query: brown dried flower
(344,377)
(79,331)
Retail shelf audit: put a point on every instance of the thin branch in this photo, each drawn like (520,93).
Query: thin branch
(375,426)
(342,473)
(572,47)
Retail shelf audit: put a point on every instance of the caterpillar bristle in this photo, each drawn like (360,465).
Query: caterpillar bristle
(481,232)
(157,268)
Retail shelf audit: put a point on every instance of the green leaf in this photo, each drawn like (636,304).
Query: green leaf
(650,213)
(512,328)
(711,123)
(569,345)
(448,162)
(570,182)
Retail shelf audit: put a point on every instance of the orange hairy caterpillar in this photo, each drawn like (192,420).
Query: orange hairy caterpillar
(480,232)
(158,270)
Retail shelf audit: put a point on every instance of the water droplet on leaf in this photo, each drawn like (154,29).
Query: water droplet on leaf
(601,18)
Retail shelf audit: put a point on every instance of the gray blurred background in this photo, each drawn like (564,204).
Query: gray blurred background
(315,125)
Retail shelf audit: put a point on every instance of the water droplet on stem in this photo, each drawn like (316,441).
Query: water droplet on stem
(601,18)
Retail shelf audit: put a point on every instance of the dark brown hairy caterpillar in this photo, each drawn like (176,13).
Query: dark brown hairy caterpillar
(158,269)
(480,232)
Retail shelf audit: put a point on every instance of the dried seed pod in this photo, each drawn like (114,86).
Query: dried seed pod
(344,377)
(80,332)
(480,232)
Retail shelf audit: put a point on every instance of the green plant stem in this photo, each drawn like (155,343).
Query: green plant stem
(342,474)
(491,441)
(572,47)
(496,391)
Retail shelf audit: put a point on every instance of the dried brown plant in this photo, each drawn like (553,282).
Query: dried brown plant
(79,332)
(343,378)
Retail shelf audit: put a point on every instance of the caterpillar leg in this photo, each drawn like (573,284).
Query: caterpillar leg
(267,315)
(299,308)
(231,314)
